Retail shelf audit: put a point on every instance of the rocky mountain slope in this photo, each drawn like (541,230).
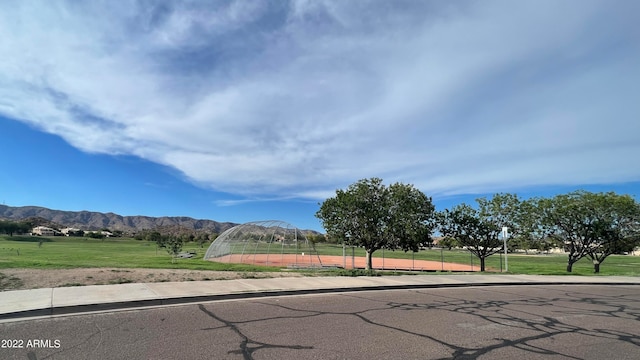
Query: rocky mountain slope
(89,220)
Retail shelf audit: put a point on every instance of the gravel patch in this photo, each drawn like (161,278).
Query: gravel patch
(20,279)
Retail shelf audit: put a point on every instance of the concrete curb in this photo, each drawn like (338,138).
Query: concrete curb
(133,304)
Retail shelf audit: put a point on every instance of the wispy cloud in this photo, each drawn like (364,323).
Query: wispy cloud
(235,202)
(296,99)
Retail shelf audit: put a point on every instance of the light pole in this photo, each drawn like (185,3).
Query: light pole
(505,234)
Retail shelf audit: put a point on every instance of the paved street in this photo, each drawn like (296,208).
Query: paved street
(496,322)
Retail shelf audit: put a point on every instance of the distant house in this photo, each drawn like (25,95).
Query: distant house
(71,232)
(43,231)
(102,233)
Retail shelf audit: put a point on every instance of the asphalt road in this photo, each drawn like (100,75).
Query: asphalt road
(501,322)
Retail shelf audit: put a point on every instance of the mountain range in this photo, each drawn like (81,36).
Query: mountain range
(90,220)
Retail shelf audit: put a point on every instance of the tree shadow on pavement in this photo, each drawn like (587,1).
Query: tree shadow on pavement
(500,319)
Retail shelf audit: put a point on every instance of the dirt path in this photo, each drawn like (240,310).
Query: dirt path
(18,279)
(348,262)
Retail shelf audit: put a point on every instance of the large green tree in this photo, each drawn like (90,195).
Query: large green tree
(373,216)
(478,229)
(477,233)
(617,220)
(530,232)
(593,225)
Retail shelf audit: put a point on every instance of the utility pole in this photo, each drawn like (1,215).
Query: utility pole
(505,234)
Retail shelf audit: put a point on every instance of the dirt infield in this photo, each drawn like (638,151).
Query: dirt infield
(348,262)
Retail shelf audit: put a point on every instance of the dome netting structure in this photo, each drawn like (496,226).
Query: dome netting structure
(269,243)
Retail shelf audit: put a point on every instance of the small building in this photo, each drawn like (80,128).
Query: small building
(98,233)
(43,231)
(71,232)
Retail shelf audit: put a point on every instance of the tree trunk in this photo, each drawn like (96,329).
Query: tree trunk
(596,267)
(369,262)
(482,264)
(569,267)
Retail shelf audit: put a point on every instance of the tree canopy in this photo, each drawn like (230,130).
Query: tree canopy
(471,230)
(478,229)
(373,216)
(594,225)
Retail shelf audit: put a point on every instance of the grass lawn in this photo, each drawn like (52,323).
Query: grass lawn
(70,252)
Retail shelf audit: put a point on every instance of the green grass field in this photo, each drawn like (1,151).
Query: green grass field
(69,252)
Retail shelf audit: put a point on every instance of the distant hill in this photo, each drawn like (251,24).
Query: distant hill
(89,220)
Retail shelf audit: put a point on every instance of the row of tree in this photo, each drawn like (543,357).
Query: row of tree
(373,216)
(157,237)
(14,227)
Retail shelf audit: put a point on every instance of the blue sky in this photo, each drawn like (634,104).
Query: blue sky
(242,111)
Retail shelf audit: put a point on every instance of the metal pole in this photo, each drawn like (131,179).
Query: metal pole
(413,260)
(353,257)
(505,234)
(471,257)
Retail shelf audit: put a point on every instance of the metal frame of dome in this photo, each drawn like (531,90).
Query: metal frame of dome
(269,242)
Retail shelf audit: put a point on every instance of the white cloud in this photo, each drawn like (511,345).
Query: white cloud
(269,101)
